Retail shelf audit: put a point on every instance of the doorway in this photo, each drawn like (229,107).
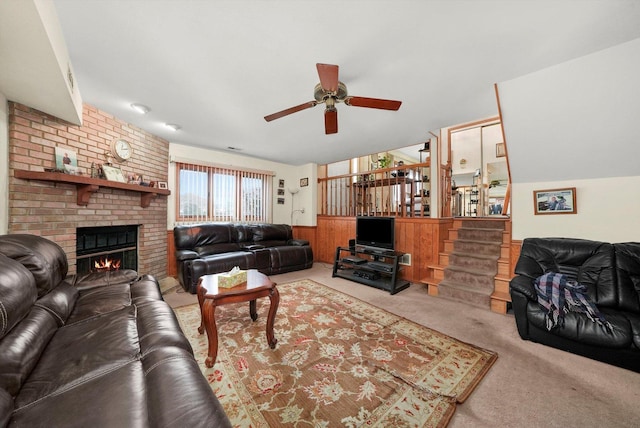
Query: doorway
(479,174)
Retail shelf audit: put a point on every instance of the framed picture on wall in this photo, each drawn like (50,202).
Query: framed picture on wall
(501,151)
(304,182)
(555,201)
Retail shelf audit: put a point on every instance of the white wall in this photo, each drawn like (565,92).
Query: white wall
(576,125)
(305,198)
(608,210)
(4,164)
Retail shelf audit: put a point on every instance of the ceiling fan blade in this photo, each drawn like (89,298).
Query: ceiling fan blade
(328,77)
(373,103)
(289,111)
(331,121)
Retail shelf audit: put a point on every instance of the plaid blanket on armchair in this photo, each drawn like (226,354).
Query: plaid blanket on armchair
(558,294)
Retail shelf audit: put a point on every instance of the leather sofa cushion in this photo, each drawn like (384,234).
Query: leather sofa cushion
(578,327)
(289,258)
(17,293)
(94,301)
(591,263)
(158,327)
(273,243)
(188,237)
(174,377)
(100,300)
(82,351)
(628,271)
(271,232)
(208,250)
(45,259)
(115,399)
(222,263)
(145,288)
(100,279)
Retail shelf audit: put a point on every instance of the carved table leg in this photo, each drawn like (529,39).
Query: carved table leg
(209,319)
(200,293)
(252,310)
(271,318)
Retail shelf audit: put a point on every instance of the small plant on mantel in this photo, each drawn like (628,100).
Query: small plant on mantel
(384,162)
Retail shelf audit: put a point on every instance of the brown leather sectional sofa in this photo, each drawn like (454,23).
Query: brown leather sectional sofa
(204,249)
(98,350)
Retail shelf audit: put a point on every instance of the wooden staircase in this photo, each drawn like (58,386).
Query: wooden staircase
(475,265)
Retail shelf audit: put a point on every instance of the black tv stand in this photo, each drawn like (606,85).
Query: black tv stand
(379,269)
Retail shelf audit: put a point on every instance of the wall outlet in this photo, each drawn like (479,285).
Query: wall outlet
(405,259)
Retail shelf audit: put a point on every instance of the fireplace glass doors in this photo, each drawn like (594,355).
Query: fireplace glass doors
(106,248)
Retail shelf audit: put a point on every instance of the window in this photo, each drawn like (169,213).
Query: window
(222,193)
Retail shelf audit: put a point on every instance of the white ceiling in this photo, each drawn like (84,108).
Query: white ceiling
(217,68)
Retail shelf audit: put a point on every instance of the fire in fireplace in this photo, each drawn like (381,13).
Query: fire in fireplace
(107,264)
(106,248)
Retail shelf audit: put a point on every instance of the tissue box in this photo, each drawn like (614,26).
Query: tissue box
(228,280)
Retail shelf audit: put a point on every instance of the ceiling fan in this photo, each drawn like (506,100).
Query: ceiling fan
(331,91)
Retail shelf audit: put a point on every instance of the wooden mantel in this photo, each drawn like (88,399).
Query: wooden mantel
(86,186)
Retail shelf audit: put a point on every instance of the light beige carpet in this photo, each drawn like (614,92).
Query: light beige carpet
(339,362)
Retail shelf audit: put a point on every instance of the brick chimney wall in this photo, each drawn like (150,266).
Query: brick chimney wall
(50,209)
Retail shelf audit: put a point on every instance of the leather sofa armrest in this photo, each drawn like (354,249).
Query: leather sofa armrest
(524,285)
(298,242)
(183,255)
(252,247)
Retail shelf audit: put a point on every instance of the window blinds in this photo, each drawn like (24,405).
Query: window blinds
(222,193)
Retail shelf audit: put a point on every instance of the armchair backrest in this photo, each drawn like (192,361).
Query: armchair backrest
(590,263)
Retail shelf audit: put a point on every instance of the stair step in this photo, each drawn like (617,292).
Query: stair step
(477,247)
(478,262)
(461,293)
(472,278)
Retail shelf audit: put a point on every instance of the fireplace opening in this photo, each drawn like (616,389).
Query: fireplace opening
(106,248)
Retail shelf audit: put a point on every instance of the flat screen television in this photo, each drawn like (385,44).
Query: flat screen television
(376,233)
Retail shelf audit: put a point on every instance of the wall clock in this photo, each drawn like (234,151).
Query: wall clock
(121,150)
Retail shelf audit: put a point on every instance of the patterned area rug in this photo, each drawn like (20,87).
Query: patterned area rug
(338,362)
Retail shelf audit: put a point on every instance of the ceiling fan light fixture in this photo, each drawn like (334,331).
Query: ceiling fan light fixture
(331,91)
(140,108)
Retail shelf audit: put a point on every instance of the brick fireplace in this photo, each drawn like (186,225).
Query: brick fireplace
(51,209)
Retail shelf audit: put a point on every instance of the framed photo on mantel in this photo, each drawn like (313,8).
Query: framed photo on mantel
(113,173)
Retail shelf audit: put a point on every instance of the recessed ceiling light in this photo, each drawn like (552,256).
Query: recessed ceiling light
(140,108)
(172,126)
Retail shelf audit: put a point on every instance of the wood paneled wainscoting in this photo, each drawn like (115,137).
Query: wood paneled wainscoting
(423,238)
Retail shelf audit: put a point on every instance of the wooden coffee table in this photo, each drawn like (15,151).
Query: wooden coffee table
(210,295)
